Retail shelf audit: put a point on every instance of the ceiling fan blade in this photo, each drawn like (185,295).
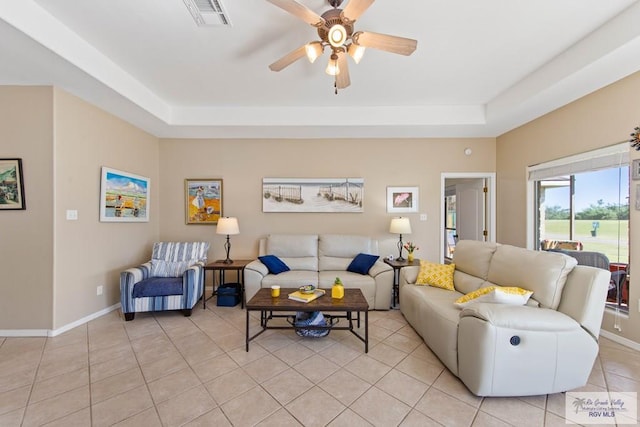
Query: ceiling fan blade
(355,8)
(301,11)
(393,44)
(288,59)
(342,79)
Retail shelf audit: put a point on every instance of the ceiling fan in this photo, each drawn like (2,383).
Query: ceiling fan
(336,31)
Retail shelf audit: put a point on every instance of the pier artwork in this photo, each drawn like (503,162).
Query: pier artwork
(312,195)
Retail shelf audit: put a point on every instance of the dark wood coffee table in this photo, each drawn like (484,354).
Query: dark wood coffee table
(353,302)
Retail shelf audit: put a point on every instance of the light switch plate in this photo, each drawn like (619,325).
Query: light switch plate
(423,217)
(72,215)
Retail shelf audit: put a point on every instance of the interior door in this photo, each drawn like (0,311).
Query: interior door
(471,215)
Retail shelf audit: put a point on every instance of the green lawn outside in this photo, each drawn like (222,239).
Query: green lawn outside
(606,239)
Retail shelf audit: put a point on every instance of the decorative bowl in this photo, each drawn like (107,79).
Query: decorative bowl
(307,289)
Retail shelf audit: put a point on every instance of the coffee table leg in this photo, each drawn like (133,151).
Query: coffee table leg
(247,336)
(366,330)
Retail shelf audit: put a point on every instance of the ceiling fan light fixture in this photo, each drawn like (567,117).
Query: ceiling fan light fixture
(337,35)
(332,67)
(356,52)
(313,51)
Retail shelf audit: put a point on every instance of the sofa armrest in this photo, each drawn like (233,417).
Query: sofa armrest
(520,317)
(378,268)
(409,275)
(128,278)
(584,296)
(254,272)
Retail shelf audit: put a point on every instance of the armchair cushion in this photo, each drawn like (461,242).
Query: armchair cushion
(274,264)
(158,286)
(362,263)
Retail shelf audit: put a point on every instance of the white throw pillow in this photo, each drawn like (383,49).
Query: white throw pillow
(162,268)
(495,294)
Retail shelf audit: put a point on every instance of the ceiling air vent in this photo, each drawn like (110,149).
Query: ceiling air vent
(207,12)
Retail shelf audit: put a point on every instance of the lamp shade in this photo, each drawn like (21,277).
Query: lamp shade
(228,225)
(400,225)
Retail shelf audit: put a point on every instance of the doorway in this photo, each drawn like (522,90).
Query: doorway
(468,210)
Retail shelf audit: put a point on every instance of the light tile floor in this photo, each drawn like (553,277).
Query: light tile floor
(165,369)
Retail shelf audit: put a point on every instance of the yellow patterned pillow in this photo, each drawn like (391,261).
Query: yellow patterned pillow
(495,294)
(438,275)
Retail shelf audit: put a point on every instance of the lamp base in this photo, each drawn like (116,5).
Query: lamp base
(228,261)
(401,259)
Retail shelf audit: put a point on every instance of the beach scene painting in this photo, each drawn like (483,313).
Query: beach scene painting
(124,197)
(313,195)
(203,201)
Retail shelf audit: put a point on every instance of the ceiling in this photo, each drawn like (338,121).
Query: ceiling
(481,68)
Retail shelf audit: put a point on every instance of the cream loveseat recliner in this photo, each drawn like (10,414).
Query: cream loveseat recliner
(318,260)
(547,346)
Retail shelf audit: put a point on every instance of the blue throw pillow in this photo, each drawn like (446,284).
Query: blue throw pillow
(362,263)
(274,264)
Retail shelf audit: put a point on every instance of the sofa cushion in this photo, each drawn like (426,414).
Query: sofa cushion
(336,251)
(157,287)
(274,264)
(298,251)
(465,283)
(474,257)
(437,275)
(362,263)
(496,295)
(290,279)
(544,273)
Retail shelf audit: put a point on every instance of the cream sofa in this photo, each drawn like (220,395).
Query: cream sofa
(318,260)
(548,345)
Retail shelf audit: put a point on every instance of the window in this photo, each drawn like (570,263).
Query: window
(582,203)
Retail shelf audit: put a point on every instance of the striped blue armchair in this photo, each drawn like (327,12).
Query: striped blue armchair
(172,280)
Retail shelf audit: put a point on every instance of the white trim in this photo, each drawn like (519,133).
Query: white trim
(491,179)
(56,332)
(620,148)
(11,333)
(620,340)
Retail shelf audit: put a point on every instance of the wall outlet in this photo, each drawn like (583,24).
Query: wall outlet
(99,290)
(72,215)
(423,217)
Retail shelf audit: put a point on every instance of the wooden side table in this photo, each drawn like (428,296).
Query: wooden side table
(397,266)
(222,267)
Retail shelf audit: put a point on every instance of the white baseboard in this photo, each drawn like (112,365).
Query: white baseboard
(620,340)
(55,332)
(16,333)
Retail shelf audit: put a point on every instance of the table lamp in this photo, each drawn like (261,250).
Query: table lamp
(228,226)
(400,226)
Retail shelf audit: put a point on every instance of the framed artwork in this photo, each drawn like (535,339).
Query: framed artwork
(635,170)
(203,200)
(402,199)
(312,195)
(11,185)
(124,197)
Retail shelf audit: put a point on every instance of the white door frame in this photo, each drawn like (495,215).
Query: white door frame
(491,203)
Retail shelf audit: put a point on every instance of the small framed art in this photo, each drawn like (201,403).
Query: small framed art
(11,185)
(124,197)
(402,199)
(203,200)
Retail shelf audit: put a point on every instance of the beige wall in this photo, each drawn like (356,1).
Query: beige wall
(243,163)
(50,266)
(603,118)
(89,253)
(26,236)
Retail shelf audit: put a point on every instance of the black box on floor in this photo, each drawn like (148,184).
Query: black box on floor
(228,294)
